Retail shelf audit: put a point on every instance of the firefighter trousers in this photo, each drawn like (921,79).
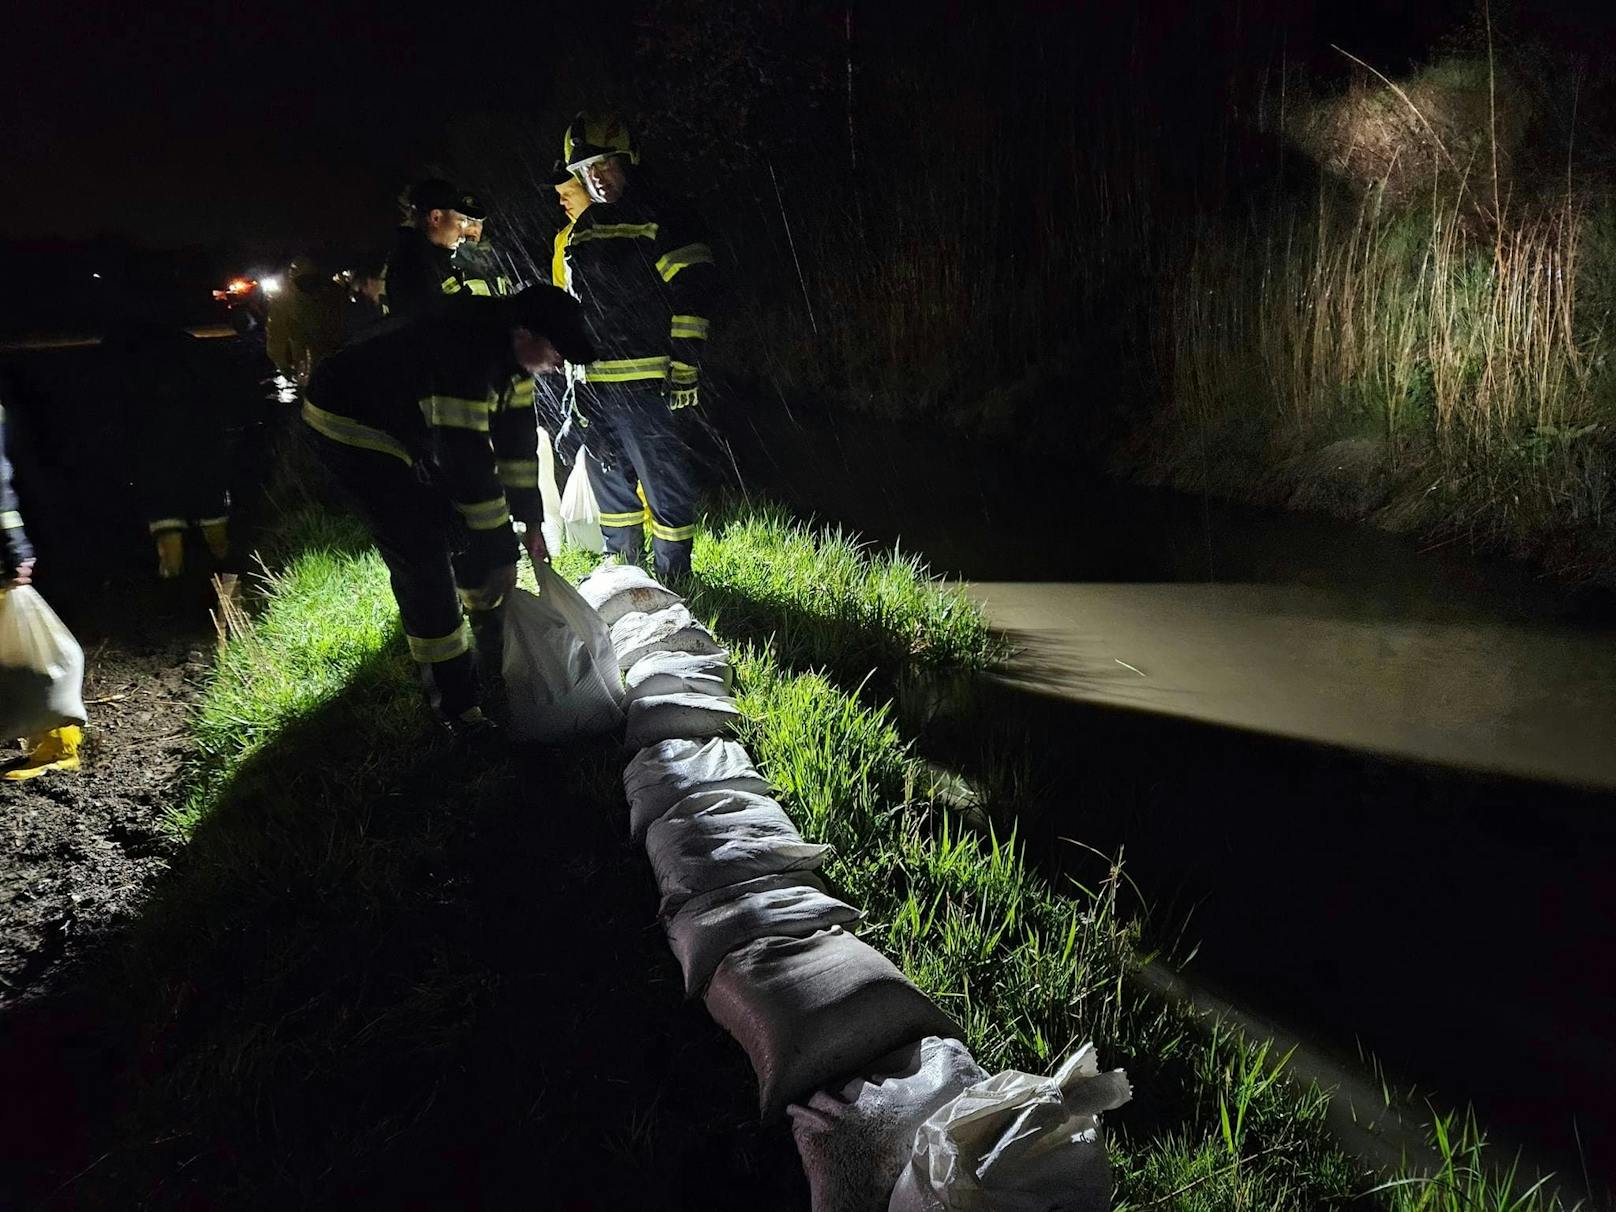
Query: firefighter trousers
(636,443)
(421,540)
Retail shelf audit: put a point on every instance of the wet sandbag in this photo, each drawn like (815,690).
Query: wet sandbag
(855,1141)
(637,635)
(679,673)
(708,927)
(661,775)
(812,1012)
(715,838)
(618,589)
(41,667)
(665,717)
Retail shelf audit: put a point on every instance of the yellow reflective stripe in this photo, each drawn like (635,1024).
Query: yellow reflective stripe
(522,392)
(672,534)
(623,370)
(219,521)
(429,650)
(10,520)
(616,231)
(518,473)
(671,263)
(454,412)
(476,286)
(450,286)
(558,258)
(691,327)
(485,515)
(637,518)
(351,433)
(162,524)
(683,374)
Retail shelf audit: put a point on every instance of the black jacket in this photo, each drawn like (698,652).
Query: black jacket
(418,276)
(483,269)
(443,393)
(14,545)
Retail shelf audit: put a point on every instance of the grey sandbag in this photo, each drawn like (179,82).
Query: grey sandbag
(814,1011)
(855,1141)
(665,717)
(618,589)
(715,838)
(708,927)
(679,673)
(560,674)
(637,635)
(661,775)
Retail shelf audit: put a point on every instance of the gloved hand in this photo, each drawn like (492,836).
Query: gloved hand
(501,581)
(683,397)
(533,541)
(23,576)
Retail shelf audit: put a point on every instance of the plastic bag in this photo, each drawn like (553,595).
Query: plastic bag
(663,717)
(813,1011)
(790,905)
(855,1141)
(560,672)
(661,775)
(672,629)
(41,667)
(580,514)
(549,493)
(1017,1143)
(716,838)
(619,589)
(679,673)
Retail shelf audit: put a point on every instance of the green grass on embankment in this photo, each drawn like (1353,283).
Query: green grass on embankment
(352,977)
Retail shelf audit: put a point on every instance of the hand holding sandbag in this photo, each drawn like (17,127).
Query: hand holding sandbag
(41,667)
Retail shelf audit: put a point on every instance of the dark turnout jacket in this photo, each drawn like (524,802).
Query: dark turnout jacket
(444,394)
(14,545)
(418,276)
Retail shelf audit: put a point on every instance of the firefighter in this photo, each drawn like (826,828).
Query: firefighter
(421,269)
(305,323)
(57,749)
(483,268)
(419,424)
(644,273)
(556,404)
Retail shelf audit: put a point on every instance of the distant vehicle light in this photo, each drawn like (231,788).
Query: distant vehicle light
(95,275)
(270,285)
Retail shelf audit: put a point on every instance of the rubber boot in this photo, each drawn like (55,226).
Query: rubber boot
(627,543)
(170,554)
(57,749)
(217,536)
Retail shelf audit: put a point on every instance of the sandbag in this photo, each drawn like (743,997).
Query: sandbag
(618,589)
(560,673)
(1017,1143)
(855,1141)
(637,635)
(715,838)
(553,528)
(580,513)
(708,927)
(41,667)
(814,1011)
(662,717)
(661,775)
(679,673)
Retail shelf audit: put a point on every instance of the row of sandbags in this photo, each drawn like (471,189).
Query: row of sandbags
(887,1106)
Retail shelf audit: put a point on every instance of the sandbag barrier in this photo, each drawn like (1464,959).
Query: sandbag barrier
(889,1110)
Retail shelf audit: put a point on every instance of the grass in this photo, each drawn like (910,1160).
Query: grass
(370,962)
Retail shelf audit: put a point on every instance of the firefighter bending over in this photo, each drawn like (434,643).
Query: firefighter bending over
(423,428)
(644,273)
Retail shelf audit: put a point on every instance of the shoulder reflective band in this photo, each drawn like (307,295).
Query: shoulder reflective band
(485,515)
(476,286)
(453,412)
(672,534)
(616,231)
(683,374)
(10,520)
(625,370)
(450,286)
(164,525)
(351,433)
(518,473)
(670,263)
(429,650)
(637,518)
(692,327)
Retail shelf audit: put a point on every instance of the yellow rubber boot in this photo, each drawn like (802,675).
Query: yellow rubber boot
(57,749)
(170,554)
(217,537)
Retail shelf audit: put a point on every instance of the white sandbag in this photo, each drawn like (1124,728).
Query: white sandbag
(41,667)
(679,673)
(637,635)
(708,927)
(580,514)
(1017,1143)
(618,589)
(553,527)
(661,775)
(855,1141)
(715,838)
(662,717)
(560,674)
(813,1011)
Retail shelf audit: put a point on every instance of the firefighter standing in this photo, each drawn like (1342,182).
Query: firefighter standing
(305,322)
(644,274)
(482,267)
(421,269)
(418,424)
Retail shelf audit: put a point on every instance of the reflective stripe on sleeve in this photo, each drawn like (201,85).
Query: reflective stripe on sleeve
(10,520)
(454,412)
(624,370)
(430,650)
(351,433)
(616,231)
(683,374)
(485,515)
(690,327)
(477,286)
(670,263)
(450,286)
(518,473)
(522,393)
